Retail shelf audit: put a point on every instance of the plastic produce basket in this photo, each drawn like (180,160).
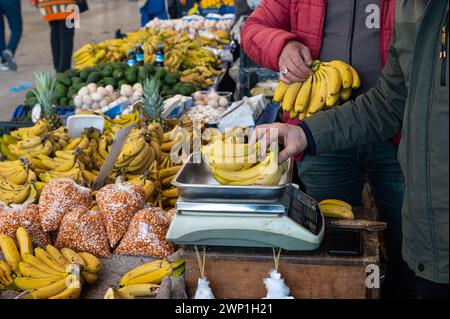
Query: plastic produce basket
(249,77)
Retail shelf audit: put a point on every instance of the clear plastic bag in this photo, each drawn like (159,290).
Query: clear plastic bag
(146,235)
(58,198)
(27,216)
(117,204)
(83,230)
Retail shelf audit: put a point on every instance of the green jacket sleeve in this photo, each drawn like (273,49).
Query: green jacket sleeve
(373,117)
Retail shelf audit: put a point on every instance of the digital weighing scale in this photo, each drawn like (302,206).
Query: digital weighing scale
(293,222)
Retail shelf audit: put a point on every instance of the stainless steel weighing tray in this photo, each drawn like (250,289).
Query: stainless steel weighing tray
(195,182)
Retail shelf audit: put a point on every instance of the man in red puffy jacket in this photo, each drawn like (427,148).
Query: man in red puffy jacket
(285,36)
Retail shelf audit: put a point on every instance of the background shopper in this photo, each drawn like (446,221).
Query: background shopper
(12,11)
(61,36)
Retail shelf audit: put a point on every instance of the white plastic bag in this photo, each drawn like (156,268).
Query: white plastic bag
(276,288)
(203,290)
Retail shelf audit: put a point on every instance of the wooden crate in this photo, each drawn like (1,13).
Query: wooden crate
(239,273)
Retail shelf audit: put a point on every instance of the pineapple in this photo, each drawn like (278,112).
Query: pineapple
(45,94)
(152,102)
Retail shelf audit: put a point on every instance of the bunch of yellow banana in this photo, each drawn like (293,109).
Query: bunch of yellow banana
(6,274)
(17,172)
(133,291)
(150,273)
(244,172)
(81,142)
(17,194)
(200,75)
(137,154)
(331,83)
(334,208)
(39,129)
(59,138)
(144,182)
(32,146)
(67,167)
(168,193)
(125,120)
(88,56)
(46,273)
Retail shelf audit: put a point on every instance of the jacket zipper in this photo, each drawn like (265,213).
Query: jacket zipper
(352,33)
(443,53)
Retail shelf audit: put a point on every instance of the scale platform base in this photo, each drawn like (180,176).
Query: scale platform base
(276,231)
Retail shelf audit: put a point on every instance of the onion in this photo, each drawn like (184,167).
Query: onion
(83,91)
(92,87)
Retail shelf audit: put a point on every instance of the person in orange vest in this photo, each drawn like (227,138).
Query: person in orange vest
(56,13)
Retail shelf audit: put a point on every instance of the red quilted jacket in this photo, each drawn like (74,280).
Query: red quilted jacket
(276,22)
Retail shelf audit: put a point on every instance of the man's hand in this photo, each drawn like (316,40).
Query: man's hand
(293,62)
(292,137)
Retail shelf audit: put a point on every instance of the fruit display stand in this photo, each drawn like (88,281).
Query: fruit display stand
(238,273)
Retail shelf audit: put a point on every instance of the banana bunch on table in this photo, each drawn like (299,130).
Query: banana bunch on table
(334,208)
(144,280)
(331,83)
(44,273)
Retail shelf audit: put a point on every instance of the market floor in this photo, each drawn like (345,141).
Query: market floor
(34,52)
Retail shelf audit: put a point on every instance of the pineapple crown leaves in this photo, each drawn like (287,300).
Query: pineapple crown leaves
(45,92)
(152,105)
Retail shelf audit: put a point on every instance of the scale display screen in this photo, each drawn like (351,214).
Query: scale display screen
(303,209)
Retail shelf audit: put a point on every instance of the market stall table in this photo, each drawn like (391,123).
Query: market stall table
(238,273)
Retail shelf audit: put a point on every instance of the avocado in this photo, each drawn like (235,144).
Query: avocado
(160,73)
(142,74)
(101,83)
(131,76)
(107,72)
(120,66)
(63,79)
(118,74)
(78,86)
(150,68)
(60,91)
(76,80)
(94,77)
(30,94)
(71,73)
(121,82)
(170,79)
(63,101)
(32,101)
(71,92)
(84,74)
(110,81)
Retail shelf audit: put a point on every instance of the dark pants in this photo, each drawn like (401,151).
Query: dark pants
(431,290)
(341,175)
(62,45)
(12,11)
